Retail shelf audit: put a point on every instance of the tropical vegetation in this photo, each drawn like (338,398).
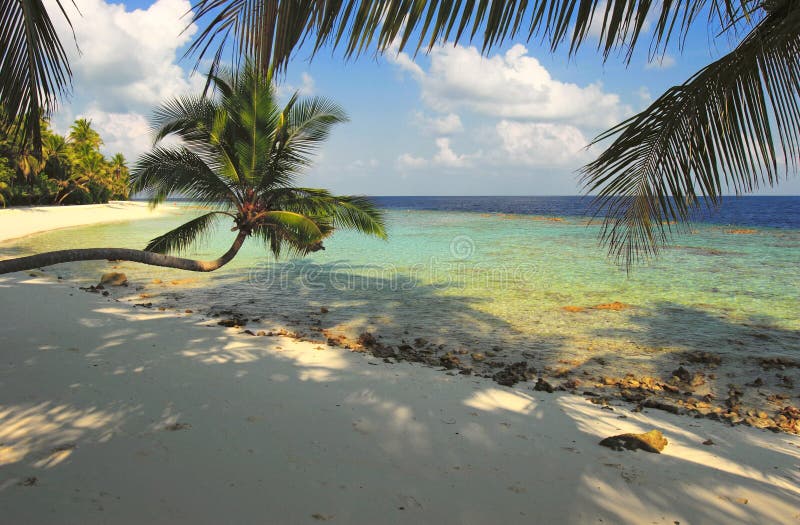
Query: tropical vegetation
(70,169)
(239,153)
(732,126)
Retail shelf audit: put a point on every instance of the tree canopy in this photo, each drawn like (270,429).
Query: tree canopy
(70,170)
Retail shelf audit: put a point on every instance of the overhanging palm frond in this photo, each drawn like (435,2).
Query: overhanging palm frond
(261,29)
(270,30)
(182,237)
(735,124)
(34,69)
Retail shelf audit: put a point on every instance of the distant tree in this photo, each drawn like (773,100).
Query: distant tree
(82,135)
(120,178)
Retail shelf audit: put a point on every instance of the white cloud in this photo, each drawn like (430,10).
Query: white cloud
(406,160)
(121,132)
(444,157)
(511,85)
(406,63)
(126,66)
(662,62)
(644,94)
(444,125)
(305,89)
(540,144)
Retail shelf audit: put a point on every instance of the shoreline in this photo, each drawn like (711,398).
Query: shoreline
(699,384)
(19,222)
(121,414)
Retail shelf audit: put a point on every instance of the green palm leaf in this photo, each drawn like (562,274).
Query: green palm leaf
(182,237)
(347,212)
(302,228)
(359,213)
(269,30)
(34,69)
(290,232)
(163,172)
(305,126)
(715,131)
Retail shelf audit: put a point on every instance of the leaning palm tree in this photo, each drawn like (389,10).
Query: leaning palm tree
(239,154)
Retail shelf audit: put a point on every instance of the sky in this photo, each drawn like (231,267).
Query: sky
(454,122)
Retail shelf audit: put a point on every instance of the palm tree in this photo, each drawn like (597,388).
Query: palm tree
(735,124)
(81,134)
(119,176)
(119,165)
(240,154)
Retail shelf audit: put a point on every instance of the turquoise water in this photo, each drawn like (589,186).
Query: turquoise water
(473,281)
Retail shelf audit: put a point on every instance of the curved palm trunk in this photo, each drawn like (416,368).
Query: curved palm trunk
(121,254)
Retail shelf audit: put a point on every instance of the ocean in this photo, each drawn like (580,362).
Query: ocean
(522,275)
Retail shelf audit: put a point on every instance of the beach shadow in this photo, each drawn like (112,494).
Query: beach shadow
(668,324)
(348,300)
(754,354)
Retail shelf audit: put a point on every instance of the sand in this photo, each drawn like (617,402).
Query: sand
(115,414)
(22,221)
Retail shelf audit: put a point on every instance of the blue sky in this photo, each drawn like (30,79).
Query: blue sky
(449,123)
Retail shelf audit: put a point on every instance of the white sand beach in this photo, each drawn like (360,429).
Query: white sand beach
(22,221)
(115,414)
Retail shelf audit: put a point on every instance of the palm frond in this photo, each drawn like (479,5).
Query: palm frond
(270,30)
(357,213)
(163,172)
(34,68)
(261,29)
(182,237)
(291,232)
(189,118)
(735,124)
(306,125)
(302,228)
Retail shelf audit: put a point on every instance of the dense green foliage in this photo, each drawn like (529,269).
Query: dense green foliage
(71,169)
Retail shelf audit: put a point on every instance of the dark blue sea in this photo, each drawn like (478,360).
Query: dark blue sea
(765,212)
